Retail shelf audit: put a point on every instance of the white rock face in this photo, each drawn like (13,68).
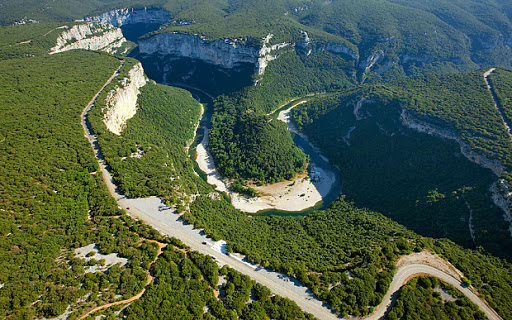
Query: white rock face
(265,55)
(502,200)
(370,62)
(358,106)
(121,17)
(90,36)
(224,53)
(121,103)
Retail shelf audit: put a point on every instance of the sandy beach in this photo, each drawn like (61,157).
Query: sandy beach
(301,193)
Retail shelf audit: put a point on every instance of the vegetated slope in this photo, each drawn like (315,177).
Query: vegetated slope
(52,200)
(501,80)
(150,157)
(244,142)
(49,188)
(62,10)
(421,181)
(189,283)
(246,145)
(411,35)
(393,38)
(28,40)
(434,300)
(346,255)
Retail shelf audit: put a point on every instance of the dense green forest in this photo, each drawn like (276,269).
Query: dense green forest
(345,254)
(150,157)
(50,207)
(46,204)
(246,145)
(435,189)
(501,81)
(189,283)
(433,299)
(54,200)
(409,36)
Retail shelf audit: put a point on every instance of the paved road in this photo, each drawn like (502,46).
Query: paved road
(153,212)
(410,270)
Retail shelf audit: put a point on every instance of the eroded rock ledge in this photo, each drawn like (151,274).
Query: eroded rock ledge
(227,53)
(500,192)
(411,122)
(90,36)
(121,103)
(121,17)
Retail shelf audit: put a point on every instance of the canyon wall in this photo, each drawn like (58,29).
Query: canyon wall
(90,36)
(411,122)
(227,53)
(121,17)
(121,103)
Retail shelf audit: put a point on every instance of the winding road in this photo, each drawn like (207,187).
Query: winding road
(156,214)
(408,271)
(496,102)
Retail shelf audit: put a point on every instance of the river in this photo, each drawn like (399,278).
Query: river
(303,196)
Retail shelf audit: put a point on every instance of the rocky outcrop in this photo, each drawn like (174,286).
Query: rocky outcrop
(265,53)
(224,53)
(228,53)
(358,105)
(411,122)
(369,63)
(502,200)
(121,103)
(339,48)
(90,36)
(121,17)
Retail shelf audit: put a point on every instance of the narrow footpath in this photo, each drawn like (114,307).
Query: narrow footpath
(138,295)
(156,214)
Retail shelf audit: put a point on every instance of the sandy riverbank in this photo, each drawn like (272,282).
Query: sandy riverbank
(301,193)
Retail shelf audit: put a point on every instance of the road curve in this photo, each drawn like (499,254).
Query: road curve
(156,214)
(404,273)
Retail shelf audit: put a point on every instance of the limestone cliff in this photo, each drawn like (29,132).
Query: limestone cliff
(501,197)
(90,36)
(121,17)
(411,122)
(265,53)
(121,103)
(227,53)
(224,53)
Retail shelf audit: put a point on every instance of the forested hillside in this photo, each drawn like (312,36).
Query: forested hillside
(394,37)
(246,145)
(421,181)
(53,200)
(345,254)
(46,204)
(150,157)
(380,70)
(434,300)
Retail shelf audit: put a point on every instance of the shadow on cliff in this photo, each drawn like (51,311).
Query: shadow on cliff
(213,79)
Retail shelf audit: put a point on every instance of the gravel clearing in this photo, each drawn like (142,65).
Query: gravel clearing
(110,259)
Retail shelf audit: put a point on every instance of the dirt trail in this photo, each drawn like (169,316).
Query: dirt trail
(138,295)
